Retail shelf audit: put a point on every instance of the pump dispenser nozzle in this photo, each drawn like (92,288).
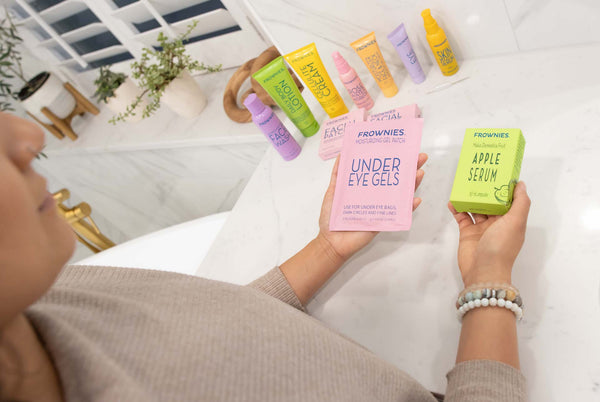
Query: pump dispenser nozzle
(431,24)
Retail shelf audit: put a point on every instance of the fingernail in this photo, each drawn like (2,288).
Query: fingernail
(524,185)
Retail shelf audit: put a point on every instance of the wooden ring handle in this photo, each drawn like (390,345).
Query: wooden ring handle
(233,111)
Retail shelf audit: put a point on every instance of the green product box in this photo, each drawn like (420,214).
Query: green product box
(488,170)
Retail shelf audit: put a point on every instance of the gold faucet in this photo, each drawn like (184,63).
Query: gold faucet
(82,223)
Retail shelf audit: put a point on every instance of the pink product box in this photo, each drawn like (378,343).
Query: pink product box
(376,176)
(332,132)
(398,113)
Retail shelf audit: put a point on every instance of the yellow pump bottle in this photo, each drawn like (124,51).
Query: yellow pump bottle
(440,47)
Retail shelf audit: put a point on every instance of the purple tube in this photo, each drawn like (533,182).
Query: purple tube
(273,128)
(403,47)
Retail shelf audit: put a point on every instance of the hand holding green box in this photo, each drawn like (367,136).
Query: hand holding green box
(488,170)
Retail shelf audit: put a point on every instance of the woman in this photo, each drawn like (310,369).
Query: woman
(112,334)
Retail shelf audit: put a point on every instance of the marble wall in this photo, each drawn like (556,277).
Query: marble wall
(475,28)
(137,192)
(542,24)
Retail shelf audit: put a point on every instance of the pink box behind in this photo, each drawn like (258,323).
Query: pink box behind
(408,111)
(376,176)
(332,132)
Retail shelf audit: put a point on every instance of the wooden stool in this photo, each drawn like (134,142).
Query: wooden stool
(62,127)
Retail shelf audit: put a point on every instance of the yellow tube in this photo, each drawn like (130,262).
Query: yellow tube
(308,65)
(368,50)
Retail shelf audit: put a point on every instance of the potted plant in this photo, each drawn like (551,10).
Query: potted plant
(164,74)
(118,91)
(43,90)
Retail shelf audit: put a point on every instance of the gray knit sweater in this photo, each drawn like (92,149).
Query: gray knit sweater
(119,334)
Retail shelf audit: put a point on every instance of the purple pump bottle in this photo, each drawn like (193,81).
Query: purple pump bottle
(273,128)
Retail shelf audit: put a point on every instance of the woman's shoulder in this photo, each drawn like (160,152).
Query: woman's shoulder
(92,283)
(72,273)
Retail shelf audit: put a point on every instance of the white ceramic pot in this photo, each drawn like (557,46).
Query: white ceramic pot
(53,95)
(124,96)
(184,96)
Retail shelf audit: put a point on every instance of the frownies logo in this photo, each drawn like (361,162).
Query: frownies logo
(490,135)
(361,47)
(396,132)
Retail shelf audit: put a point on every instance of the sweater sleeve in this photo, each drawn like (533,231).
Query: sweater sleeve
(276,285)
(485,381)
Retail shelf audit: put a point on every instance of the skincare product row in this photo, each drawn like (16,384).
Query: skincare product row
(368,50)
(306,62)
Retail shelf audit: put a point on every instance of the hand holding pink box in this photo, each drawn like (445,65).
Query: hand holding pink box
(376,176)
(332,132)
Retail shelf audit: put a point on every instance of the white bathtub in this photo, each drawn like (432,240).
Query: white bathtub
(180,248)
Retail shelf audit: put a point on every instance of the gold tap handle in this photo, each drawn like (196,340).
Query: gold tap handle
(61,195)
(89,218)
(84,211)
(86,243)
(82,223)
(78,212)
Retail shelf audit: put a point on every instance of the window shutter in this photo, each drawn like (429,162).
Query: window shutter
(81,35)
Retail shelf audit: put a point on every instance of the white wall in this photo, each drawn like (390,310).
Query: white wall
(475,28)
(541,24)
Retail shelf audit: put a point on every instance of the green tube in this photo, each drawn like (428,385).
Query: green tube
(277,81)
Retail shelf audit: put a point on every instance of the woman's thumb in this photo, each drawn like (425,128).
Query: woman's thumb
(521,203)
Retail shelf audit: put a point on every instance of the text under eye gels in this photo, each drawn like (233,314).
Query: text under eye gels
(376,176)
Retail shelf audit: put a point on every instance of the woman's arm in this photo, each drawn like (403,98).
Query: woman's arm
(487,251)
(311,267)
(488,345)
(489,334)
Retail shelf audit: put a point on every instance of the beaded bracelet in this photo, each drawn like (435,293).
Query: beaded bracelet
(507,292)
(508,298)
(488,285)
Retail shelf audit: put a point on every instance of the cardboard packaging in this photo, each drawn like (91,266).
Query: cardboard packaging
(488,170)
(376,176)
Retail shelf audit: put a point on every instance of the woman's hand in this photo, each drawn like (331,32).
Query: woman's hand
(309,269)
(487,249)
(345,244)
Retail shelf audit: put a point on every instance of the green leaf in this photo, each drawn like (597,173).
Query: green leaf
(157,68)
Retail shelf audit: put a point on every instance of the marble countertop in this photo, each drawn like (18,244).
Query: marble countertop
(165,129)
(397,296)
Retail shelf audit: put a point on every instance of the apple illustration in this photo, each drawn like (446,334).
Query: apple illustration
(504,193)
